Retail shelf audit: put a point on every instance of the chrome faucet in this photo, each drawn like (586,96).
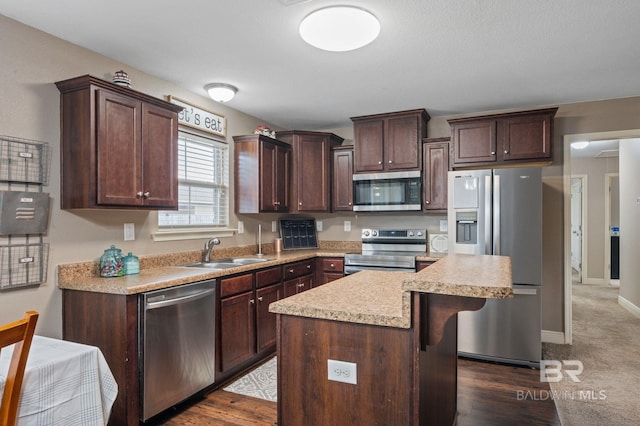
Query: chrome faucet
(208,248)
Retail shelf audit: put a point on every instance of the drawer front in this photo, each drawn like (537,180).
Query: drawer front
(268,276)
(235,285)
(332,265)
(298,269)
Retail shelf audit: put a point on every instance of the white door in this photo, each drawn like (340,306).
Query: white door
(576,228)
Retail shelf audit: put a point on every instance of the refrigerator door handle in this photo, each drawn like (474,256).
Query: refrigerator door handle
(487,215)
(496,214)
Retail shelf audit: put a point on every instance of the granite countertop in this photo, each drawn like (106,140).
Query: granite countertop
(383,298)
(163,271)
(83,276)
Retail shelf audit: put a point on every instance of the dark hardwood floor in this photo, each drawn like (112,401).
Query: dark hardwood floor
(488,394)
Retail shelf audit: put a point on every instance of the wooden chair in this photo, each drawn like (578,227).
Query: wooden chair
(21,333)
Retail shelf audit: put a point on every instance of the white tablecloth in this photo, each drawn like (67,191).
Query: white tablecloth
(65,383)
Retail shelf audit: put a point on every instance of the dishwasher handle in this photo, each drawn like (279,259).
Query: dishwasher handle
(177,300)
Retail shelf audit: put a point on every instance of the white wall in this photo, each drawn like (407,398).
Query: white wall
(630,223)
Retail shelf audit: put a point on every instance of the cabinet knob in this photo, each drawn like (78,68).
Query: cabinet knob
(390,161)
(276,203)
(506,152)
(349,203)
(379,162)
(308,266)
(139,194)
(300,203)
(332,265)
(493,153)
(301,285)
(252,301)
(426,201)
(260,299)
(291,271)
(146,194)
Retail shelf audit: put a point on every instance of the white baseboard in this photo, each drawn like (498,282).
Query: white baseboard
(635,310)
(594,281)
(556,337)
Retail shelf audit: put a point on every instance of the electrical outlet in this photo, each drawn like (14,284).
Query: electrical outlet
(274,226)
(444,226)
(341,371)
(318,225)
(129,232)
(240,227)
(347,226)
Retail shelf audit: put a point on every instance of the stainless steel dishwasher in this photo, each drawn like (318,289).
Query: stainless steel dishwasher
(177,344)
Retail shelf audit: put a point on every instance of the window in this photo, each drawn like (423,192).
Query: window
(203,185)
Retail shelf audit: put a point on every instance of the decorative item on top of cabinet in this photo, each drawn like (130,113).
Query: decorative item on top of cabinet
(435,157)
(262,168)
(342,179)
(310,168)
(389,142)
(119,147)
(500,139)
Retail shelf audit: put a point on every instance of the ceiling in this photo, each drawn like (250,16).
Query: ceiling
(598,149)
(447,56)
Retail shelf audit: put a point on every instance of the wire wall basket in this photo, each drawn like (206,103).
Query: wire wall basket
(24,160)
(23,265)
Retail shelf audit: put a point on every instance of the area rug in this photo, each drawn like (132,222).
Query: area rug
(258,383)
(606,341)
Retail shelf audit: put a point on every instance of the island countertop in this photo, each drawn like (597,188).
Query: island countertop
(383,298)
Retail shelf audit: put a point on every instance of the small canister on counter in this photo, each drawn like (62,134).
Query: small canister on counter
(278,244)
(111,263)
(131,264)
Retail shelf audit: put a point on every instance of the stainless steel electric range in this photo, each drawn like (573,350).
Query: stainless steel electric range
(387,250)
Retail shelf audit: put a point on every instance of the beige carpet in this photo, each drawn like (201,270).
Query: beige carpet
(606,339)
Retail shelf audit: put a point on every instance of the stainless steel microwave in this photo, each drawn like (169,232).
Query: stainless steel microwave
(391,191)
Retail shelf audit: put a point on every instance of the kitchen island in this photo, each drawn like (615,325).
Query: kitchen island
(397,331)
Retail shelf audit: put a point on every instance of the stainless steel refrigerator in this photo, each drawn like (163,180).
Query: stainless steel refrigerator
(499,212)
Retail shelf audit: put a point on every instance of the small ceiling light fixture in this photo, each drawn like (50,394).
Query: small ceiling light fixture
(339,28)
(221,92)
(580,144)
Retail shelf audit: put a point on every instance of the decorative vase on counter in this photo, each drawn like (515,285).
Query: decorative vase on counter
(111,263)
(131,264)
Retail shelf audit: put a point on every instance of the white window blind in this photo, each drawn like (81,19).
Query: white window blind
(203,185)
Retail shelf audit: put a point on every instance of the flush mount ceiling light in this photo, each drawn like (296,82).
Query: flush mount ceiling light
(221,92)
(580,144)
(339,28)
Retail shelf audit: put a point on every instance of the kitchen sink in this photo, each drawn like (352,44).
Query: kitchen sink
(228,262)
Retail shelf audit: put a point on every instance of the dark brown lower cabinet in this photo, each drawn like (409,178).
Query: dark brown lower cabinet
(265,320)
(236,329)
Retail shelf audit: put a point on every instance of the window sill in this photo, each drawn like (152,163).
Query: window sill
(191,234)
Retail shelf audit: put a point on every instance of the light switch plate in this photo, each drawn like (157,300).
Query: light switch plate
(274,226)
(347,226)
(240,227)
(318,225)
(444,225)
(129,232)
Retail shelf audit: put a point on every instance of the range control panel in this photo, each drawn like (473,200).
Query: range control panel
(398,235)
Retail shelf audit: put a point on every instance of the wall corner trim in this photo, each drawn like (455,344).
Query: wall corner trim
(635,310)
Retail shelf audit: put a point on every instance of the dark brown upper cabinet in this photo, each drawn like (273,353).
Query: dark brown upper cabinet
(310,185)
(342,181)
(501,139)
(389,142)
(435,169)
(119,147)
(262,169)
